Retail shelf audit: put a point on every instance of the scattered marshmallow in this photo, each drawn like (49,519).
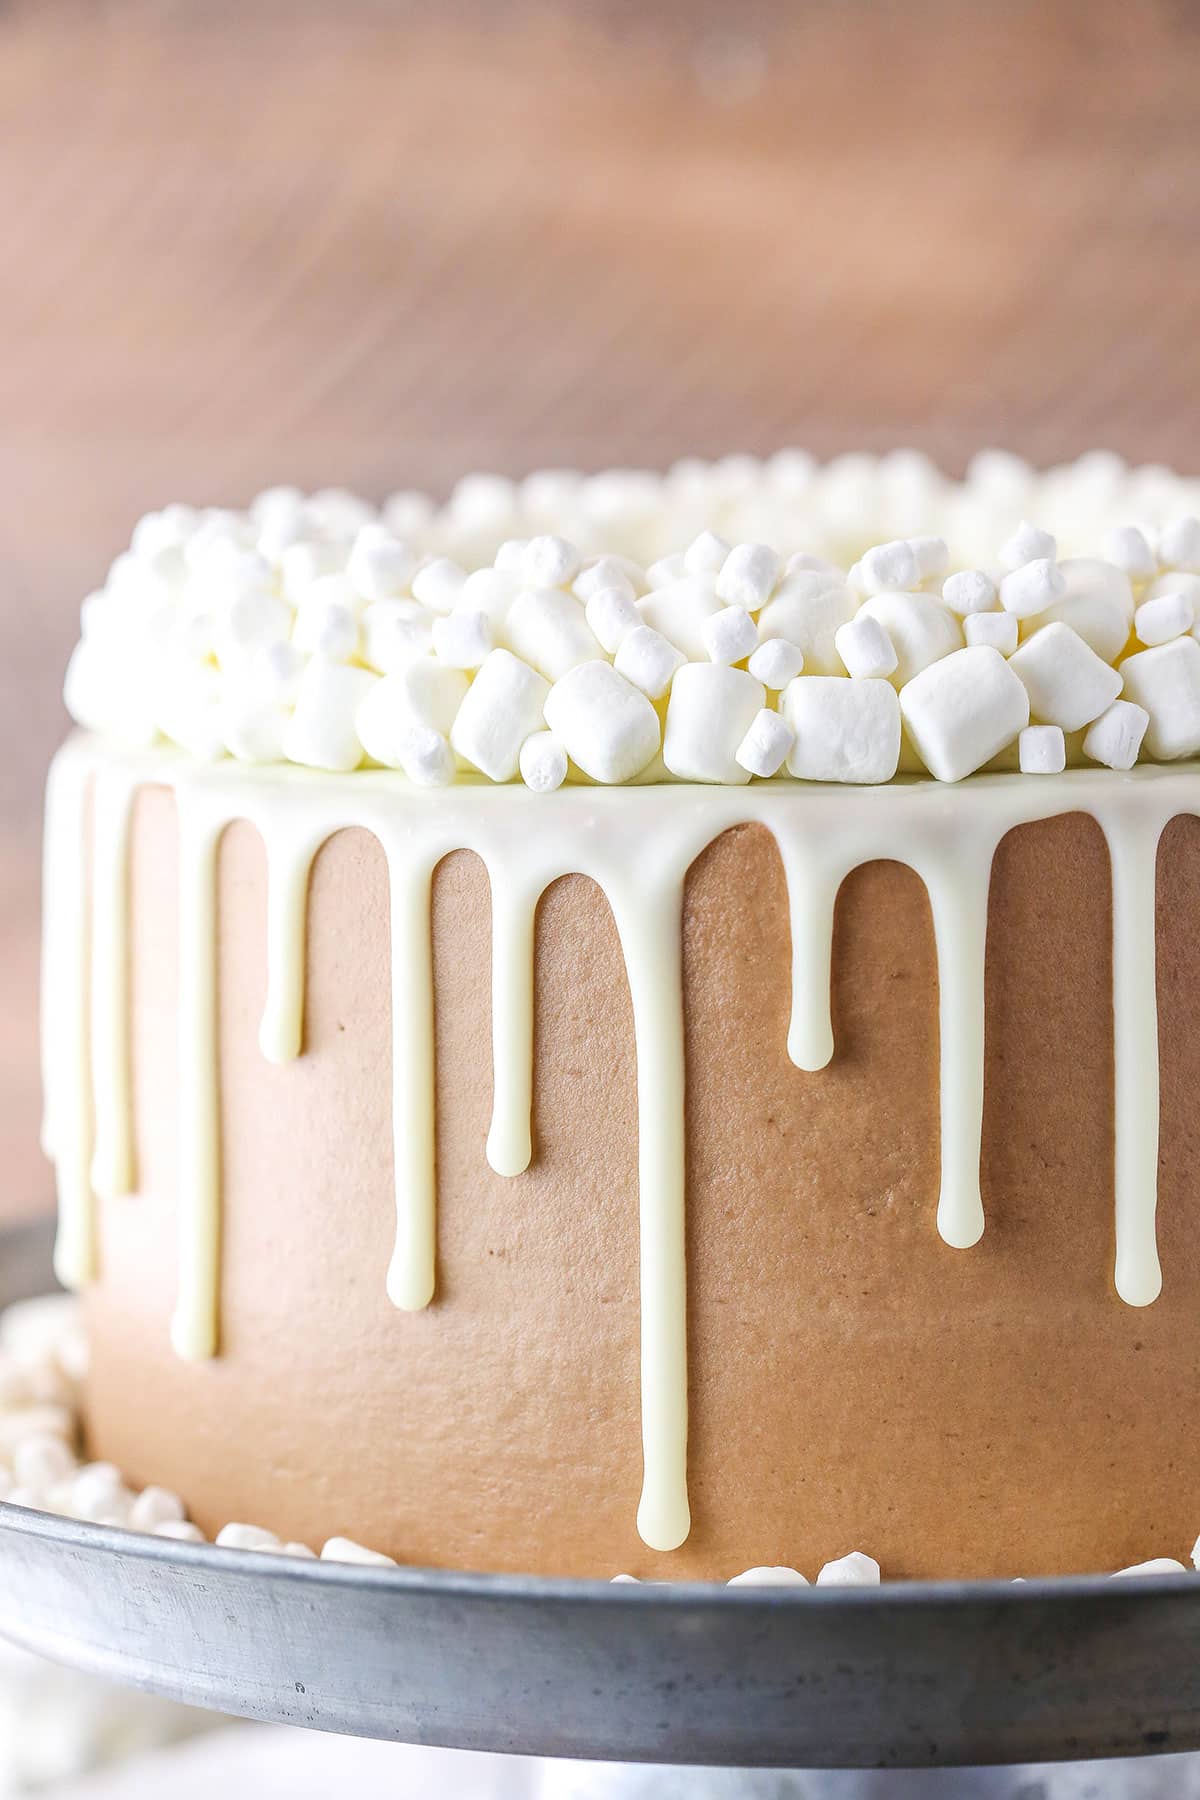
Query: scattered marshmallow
(748,576)
(343,1549)
(706,554)
(933,556)
(549,562)
(543,762)
(321,731)
(711,708)
(649,661)
(768,1577)
(729,635)
(549,630)
(1166,682)
(999,631)
(865,648)
(1097,603)
(806,612)
(245,1537)
(606,572)
(855,1570)
(1032,587)
(607,727)
(438,584)
(156,1506)
(40,1461)
(503,707)
(845,730)
(678,610)
(1165,617)
(968,592)
(181,1530)
(1116,736)
(380,565)
(766,745)
(1127,548)
(1067,683)
(1158,1565)
(611,614)
(462,639)
(919,627)
(666,571)
(888,567)
(776,662)
(1042,750)
(1179,545)
(964,710)
(1027,544)
(393,632)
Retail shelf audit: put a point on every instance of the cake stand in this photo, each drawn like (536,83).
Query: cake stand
(903,1675)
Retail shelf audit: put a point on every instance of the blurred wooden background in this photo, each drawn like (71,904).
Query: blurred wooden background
(377,244)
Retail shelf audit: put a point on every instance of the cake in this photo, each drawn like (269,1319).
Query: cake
(642,1023)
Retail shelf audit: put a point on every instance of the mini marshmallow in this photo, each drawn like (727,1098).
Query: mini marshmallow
(156,1506)
(776,662)
(889,566)
(502,708)
(1158,1565)
(245,1537)
(856,1570)
(1167,616)
(251,621)
(424,695)
(462,639)
(729,635)
(706,554)
(1098,604)
(393,632)
(933,559)
(508,556)
(1027,544)
(327,620)
(605,572)
(711,708)
(321,731)
(766,745)
(380,565)
(303,563)
(865,648)
(748,576)
(804,562)
(426,757)
(407,513)
(491,592)
(1032,587)
(920,628)
(1126,547)
(679,610)
(649,660)
(807,614)
(41,1461)
(666,571)
(1179,545)
(969,591)
(606,726)
(543,762)
(342,1549)
(612,613)
(180,1529)
(1067,683)
(549,630)
(1178,581)
(768,1577)
(998,630)
(963,710)
(438,583)
(549,562)
(845,730)
(97,1488)
(1042,750)
(1115,738)
(1165,681)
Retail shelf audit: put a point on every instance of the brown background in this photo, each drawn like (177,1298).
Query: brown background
(380,243)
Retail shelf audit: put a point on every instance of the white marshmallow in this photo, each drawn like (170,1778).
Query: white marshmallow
(491,592)
(855,1570)
(1027,544)
(920,628)
(748,576)
(964,710)
(706,554)
(845,730)
(1158,1565)
(729,635)
(248,622)
(407,513)
(606,726)
(612,613)
(303,563)
(1067,683)
(41,1461)
(321,731)
(97,1490)
(341,1549)
(426,758)
(502,708)
(1032,587)
(380,565)
(768,1577)
(766,745)
(423,695)
(1179,544)
(543,762)
(865,648)
(666,571)
(711,709)
(245,1537)
(969,591)
(393,632)
(1042,750)
(549,562)
(549,630)
(1178,581)
(327,619)
(1166,682)
(933,559)
(1098,604)
(889,566)
(679,610)
(156,1506)
(181,1530)
(1115,739)
(438,584)
(999,630)
(606,572)
(649,660)
(804,562)
(462,639)
(807,613)
(1126,547)
(776,662)
(508,556)
(1165,617)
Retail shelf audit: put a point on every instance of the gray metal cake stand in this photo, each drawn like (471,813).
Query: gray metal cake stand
(905,1675)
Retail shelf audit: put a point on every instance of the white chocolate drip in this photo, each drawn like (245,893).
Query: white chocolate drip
(637,845)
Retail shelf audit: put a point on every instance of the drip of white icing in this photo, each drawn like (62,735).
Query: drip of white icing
(637,844)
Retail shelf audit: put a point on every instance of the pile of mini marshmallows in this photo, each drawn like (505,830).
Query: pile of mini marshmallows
(315,631)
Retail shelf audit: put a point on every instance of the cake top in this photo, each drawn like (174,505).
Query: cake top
(723,622)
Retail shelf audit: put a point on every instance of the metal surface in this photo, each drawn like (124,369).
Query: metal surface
(913,1674)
